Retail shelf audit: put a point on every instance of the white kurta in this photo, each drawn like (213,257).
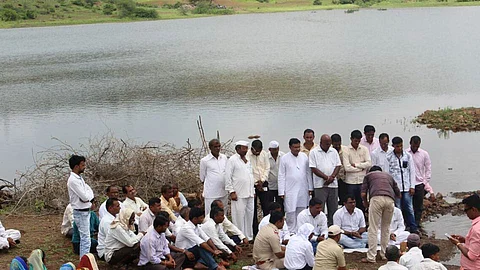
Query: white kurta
(5,234)
(294,181)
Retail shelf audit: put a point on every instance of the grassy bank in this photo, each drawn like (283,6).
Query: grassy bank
(31,13)
(462,119)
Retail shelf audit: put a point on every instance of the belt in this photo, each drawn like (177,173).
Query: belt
(82,210)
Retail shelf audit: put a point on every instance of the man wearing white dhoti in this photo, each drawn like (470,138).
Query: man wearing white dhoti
(398,234)
(239,184)
(294,182)
(8,238)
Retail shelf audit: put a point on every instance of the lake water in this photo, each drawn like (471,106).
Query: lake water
(267,74)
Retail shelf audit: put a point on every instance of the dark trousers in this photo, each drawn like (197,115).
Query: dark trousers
(342,191)
(306,267)
(418,202)
(204,257)
(275,198)
(93,247)
(264,202)
(355,190)
(178,257)
(125,255)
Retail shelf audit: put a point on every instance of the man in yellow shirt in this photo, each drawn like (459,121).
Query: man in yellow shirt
(267,250)
(329,253)
(168,202)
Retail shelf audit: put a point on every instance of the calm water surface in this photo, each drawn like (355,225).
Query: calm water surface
(267,74)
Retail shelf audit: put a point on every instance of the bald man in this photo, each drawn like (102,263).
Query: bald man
(325,164)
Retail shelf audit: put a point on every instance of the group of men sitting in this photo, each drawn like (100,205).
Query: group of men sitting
(166,233)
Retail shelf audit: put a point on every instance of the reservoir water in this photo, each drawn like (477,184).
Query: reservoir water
(267,74)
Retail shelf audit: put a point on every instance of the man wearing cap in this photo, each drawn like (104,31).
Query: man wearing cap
(274,159)
(260,168)
(294,182)
(267,251)
(239,184)
(414,255)
(212,174)
(329,253)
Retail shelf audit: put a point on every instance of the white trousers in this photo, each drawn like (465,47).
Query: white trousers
(242,216)
(291,219)
(14,234)
(208,203)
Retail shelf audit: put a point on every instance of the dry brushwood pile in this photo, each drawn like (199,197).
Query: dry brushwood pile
(110,161)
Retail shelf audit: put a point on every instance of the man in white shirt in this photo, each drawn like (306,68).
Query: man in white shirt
(67,222)
(352,221)
(356,161)
(122,244)
(113,208)
(258,158)
(213,229)
(314,215)
(379,155)
(397,229)
(393,254)
(148,216)
(111,192)
(239,183)
(181,220)
(8,238)
(299,253)
(154,248)
(284,233)
(325,164)
(274,158)
(431,258)
(212,174)
(294,183)
(229,228)
(369,140)
(81,197)
(414,255)
(133,202)
(192,238)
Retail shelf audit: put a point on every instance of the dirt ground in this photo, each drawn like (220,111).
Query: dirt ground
(44,232)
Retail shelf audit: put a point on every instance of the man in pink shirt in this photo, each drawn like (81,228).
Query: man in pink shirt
(369,140)
(423,173)
(469,246)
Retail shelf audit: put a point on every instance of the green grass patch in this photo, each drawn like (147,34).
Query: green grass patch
(462,119)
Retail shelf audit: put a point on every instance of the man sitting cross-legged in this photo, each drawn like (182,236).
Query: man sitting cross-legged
(181,219)
(148,216)
(113,208)
(8,238)
(154,251)
(192,238)
(352,221)
(267,251)
(284,232)
(229,228)
(111,192)
(215,232)
(315,216)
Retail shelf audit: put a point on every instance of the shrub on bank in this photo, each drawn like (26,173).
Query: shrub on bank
(317,2)
(207,8)
(145,13)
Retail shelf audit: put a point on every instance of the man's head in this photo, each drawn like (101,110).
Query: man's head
(257,147)
(392,253)
(217,214)
(294,145)
(397,144)
(129,191)
(161,224)
(415,143)
(274,147)
(241,147)
(164,214)
(195,203)
(315,206)
(350,202)
(355,138)
(336,142)
(154,204)
(167,191)
(384,139)
(369,132)
(77,164)
(413,240)
(308,135)
(325,142)
(472,206)
(431,251)
(217,203)
(113,206)
(277,219)
(375,169)
(175,189)
(197,215)
(214,146)
(274,207)
(112,192)
(335,232)
(184,212)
